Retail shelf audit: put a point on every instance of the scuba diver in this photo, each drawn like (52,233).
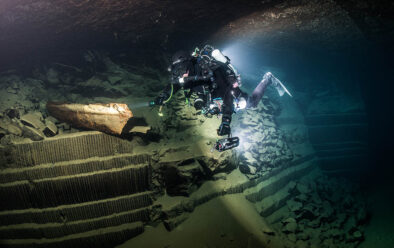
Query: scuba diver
(210,75)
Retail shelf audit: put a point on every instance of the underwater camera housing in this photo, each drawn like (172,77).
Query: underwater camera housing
(226,144)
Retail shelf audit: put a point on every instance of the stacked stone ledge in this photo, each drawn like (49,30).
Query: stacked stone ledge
(83,188)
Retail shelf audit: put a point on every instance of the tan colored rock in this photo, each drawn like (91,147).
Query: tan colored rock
(50,128)
(33,120)
(9,127)
(109,118)
(52,119)
(33,133)
(140,129)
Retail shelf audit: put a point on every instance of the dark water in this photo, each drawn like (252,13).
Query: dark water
(359,75)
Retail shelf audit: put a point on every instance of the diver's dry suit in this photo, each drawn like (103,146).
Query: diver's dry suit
(212,80)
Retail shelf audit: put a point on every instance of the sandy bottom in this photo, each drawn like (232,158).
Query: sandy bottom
(228,221)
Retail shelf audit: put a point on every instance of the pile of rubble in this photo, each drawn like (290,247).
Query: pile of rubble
(263,145)
(326,212)
(32,125)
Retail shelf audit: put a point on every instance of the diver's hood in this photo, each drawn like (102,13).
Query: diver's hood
(179,65)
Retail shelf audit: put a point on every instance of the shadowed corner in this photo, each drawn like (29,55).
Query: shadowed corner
(138,127)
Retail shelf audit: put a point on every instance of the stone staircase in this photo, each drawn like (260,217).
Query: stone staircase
(271,194)
(86,189)
(340,141)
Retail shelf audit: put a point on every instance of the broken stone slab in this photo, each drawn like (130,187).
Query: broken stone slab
(302,188)
(114,79)
(52,119)
(247,169)
(33,134)
(140,129)
(290,227)
(64,126)
(109,118)
(10,128)
(326,210)
(268,123)
(170,224)
(50,128)
(268,231)
(294,206)
(33,120)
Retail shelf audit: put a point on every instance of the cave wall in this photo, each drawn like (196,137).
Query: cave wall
(36,28)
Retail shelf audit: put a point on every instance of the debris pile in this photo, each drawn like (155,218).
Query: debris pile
(326,212)
(263,145)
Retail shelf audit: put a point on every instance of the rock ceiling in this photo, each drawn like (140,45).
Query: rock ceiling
(27,25)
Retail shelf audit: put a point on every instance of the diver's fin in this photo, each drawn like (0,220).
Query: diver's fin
(279,86)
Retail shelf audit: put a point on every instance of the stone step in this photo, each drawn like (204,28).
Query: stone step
(81,145)
(232,185)
(276,182)
(269,204)
(56,230)
(66,168)
(334,119)
(338,133)
(357,163)
(103,237)
(344,151)
(75,212)
(50,192)
(275,201)
(339,145)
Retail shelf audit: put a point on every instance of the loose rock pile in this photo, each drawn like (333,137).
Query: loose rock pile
(263,145)
(326,212)
(33,125)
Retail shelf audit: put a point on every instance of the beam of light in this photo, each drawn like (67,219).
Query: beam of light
(138,105)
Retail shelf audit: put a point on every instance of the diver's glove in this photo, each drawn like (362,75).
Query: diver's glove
(224,129)
(161,98)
